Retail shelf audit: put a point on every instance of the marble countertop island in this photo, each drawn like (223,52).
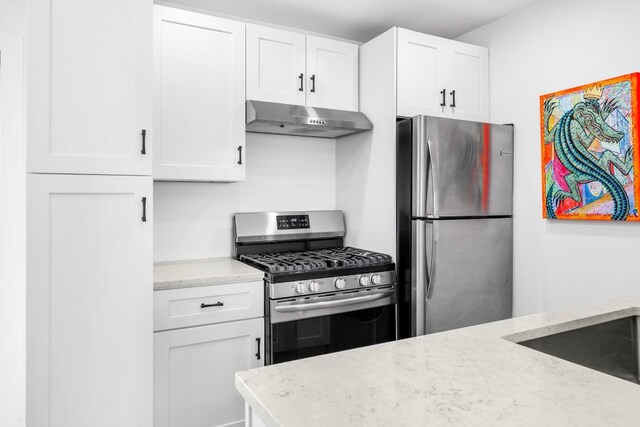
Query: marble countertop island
(202,272)
(475,376)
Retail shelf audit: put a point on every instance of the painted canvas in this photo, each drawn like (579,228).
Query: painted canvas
(591,151)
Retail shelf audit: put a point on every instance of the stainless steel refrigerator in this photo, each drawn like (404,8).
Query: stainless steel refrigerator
(454,227)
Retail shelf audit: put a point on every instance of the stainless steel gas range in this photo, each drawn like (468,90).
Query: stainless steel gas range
(320,296)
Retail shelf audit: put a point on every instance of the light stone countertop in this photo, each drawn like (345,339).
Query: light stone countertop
(466,377)
(202,272)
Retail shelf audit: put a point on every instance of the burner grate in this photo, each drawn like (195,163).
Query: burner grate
(315,260)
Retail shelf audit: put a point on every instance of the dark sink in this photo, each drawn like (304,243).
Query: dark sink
(611,347)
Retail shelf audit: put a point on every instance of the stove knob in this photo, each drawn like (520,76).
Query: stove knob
(300,288)
(364,280)
(340,283)
(314,286)
(376,279)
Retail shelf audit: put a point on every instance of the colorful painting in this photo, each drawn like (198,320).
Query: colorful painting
(591,151)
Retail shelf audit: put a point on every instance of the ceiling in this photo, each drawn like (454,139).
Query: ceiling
(362,20)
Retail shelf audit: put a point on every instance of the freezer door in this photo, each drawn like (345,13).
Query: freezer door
(461,168)
(461,273)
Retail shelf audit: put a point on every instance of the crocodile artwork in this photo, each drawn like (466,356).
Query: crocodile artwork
(573,165)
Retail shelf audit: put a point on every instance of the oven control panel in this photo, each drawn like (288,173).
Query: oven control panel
(331,285)
(292,222)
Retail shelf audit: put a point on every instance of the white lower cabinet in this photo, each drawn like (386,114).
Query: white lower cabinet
(252,419)
(194,367)
(89,301)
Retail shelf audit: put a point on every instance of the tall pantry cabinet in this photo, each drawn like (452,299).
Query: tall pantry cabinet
(89,220)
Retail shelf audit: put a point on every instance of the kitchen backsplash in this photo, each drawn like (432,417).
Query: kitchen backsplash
(193,220)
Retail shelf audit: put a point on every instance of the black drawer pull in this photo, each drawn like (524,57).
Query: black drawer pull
(258,353)
(144,209)
(239,154)
(301,77)
(443,92)
(144,141)
(218,304)
(313,83)
(453,94)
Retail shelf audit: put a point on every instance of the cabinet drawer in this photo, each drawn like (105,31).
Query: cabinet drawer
(179,308)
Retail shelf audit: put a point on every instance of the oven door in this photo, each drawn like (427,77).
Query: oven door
(319,324)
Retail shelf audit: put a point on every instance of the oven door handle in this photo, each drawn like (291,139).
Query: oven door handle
(332,304)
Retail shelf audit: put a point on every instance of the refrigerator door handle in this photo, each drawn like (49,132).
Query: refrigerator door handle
(421,163)
(423,270)
(418,278)
(431,266)
(430,189)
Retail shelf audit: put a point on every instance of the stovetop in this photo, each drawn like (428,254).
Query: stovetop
(291,274)
(283,266)
(313,260)
(303,245)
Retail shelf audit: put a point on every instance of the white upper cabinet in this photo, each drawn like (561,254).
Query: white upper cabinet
(89,91)
(291,68)
(470,80)
(422,81)
(442,78)
(199,97)
(275,65)
(332,69)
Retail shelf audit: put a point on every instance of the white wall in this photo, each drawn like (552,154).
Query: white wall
(193,220)
(548,46)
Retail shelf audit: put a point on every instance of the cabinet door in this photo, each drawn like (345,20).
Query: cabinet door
(89,301)
(275,65)
(89,91)
(332,74)
(469,71)
(194,371)
(199,102)
(421,74)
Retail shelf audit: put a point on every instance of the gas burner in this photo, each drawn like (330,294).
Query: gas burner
(315,260)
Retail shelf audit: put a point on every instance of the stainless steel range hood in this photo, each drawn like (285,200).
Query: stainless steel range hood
(285,119)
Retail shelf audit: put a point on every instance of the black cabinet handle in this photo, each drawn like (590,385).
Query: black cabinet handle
(443,92)
(313,83)
(258,353)
(239,154)
(453,94)
(218,304)
(301,77)
(144,209)
(144,141)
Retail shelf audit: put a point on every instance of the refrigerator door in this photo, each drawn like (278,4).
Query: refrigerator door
(461,273)
(461,168)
